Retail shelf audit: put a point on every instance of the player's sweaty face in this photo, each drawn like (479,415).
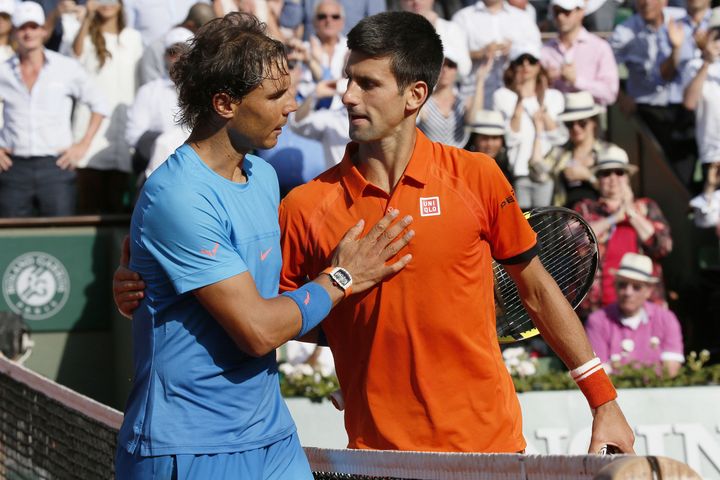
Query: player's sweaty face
(261,114)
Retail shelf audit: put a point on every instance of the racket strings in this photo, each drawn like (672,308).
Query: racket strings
(568,251)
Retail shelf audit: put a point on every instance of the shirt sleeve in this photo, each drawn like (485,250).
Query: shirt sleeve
(508,232)
(671,343)
(86,92)
(138,116)
(597,334)
(186,234)
(292,242)
(605,83)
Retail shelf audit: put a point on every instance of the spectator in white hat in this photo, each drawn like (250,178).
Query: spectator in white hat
(702,94)
(572,163)
(531,110)
(491,27)
(6,10)
(577,60)
(487,135)
(634,330)
(109,51)
(37,164)
(622,224)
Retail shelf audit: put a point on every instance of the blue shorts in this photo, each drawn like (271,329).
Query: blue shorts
(284,459)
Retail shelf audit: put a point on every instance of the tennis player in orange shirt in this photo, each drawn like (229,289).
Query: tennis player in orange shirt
(417,356)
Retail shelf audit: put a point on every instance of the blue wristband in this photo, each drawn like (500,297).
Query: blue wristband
(314,303)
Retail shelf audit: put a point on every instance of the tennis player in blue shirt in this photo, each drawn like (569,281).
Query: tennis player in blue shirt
(205,402)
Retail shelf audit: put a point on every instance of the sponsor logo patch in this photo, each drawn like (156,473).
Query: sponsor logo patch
(429,206)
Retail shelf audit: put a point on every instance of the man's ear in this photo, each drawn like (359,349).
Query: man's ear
(415,95)
(223,105)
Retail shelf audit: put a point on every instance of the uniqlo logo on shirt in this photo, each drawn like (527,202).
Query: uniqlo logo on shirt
(429,206)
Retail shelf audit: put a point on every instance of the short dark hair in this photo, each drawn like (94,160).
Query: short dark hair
(409,39)
(231,55)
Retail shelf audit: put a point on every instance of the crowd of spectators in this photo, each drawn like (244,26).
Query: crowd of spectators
(89,110)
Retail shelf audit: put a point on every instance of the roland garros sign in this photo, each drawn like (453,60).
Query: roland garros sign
(36,285)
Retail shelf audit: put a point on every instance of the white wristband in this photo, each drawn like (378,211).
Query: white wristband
(585,369)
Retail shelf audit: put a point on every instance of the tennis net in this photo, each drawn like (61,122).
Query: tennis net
(50,432)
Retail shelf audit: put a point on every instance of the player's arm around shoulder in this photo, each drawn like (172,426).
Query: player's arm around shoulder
(562,330)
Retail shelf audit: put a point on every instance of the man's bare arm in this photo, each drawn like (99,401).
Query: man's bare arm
(562,330)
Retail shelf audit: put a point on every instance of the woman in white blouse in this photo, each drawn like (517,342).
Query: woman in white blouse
(531,110)
(109,51)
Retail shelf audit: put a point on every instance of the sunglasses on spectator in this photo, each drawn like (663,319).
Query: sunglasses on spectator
(525,57)
(325,16)
(614,171)
(622,285)
(582,123)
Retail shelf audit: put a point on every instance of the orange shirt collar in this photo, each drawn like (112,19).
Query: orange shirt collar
(417,168)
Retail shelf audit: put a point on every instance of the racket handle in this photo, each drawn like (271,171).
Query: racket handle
(609,450)
(337,400)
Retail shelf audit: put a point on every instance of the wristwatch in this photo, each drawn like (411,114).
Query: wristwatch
(341,278)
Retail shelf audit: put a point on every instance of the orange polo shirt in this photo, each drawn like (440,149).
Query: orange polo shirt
(417,356)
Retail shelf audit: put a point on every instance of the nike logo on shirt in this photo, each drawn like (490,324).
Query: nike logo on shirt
(210,253)
(263,255)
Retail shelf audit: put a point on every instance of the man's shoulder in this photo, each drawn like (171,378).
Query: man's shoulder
(308,196)
(658,312)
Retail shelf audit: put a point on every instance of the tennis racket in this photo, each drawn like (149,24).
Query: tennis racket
(567,249)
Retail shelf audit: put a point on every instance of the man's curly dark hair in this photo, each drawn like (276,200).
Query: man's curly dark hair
(230,55)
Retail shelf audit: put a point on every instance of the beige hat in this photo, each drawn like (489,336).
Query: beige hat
(638,267)
(612,158)
(579,105)
(488,122)
(28,12)
(714,21)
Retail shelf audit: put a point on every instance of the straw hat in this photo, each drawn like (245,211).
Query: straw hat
(612,158)
(579,105)
(488,122)
(634,266)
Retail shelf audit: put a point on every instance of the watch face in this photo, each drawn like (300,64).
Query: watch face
(342,277)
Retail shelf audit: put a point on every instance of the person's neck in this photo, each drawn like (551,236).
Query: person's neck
(657,22)
(5,39)
(329,42)
(698,15)
(383,162)
(495,7)
(431,16)
(528,87)
(215,147)
(584,146)
(35,56)
(443,91)
(568,38)
(110,25)
(613,202)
